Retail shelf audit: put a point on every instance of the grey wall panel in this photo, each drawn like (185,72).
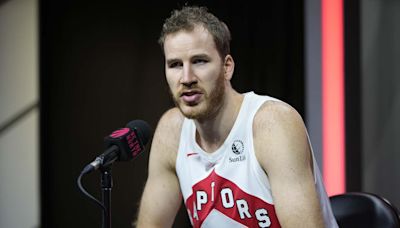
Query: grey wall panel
(19,157)
(312,57)
(381,97)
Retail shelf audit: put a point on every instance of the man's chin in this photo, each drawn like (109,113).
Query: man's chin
(191,112)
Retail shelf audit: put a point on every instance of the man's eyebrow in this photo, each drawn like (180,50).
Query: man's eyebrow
(170,61)
(200,56)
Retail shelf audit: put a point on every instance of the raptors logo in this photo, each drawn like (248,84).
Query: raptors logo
(216,198)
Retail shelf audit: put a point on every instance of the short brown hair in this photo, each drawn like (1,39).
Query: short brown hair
(190,16)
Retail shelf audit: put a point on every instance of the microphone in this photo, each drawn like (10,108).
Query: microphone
(123,144)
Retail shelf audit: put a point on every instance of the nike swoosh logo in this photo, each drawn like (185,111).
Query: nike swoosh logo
(190,154)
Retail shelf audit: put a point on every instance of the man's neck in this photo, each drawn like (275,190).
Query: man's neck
(211,133)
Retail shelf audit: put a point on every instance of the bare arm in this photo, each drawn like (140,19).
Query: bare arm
(283,151)
(161,197)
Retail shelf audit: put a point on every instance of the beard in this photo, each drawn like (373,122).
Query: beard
(209,106)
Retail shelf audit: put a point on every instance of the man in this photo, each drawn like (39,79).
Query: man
(238,160)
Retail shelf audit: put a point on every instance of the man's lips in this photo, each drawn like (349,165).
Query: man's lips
(191,96)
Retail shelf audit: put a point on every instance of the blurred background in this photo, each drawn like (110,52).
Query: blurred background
(71,72)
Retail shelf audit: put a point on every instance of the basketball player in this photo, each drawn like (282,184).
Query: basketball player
(236,160)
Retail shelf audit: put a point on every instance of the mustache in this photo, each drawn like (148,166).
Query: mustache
(190,89)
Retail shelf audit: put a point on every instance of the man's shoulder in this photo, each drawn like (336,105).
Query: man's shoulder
(166,139)
(279,136)
(170,124)
(277,119)
(275,110)
(172,117)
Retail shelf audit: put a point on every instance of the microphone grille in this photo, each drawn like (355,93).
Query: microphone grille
(143,129)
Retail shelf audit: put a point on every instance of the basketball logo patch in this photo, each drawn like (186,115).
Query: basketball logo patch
(237,147)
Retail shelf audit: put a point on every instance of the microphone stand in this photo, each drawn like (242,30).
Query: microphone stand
(106,185)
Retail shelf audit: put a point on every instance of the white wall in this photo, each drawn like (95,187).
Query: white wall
(19,157)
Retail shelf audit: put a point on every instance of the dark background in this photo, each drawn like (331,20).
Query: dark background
(101,66)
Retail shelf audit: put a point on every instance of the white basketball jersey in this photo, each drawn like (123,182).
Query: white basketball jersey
(229,188)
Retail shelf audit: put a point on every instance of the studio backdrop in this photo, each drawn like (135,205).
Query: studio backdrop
(101,67)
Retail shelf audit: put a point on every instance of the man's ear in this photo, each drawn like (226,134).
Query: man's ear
(229,67)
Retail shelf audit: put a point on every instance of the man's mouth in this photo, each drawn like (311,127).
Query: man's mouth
(191,96)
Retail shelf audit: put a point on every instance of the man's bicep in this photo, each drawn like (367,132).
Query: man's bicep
(283,150)
(295,197)
(161,197)
(160,201)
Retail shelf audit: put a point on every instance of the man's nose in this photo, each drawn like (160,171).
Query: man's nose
(188,77)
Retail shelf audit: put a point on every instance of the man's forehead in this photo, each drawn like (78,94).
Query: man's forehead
(196,42)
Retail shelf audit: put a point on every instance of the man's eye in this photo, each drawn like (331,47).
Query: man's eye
(200,61)
(174,65)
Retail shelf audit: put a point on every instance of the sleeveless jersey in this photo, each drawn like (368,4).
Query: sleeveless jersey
(229,188)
